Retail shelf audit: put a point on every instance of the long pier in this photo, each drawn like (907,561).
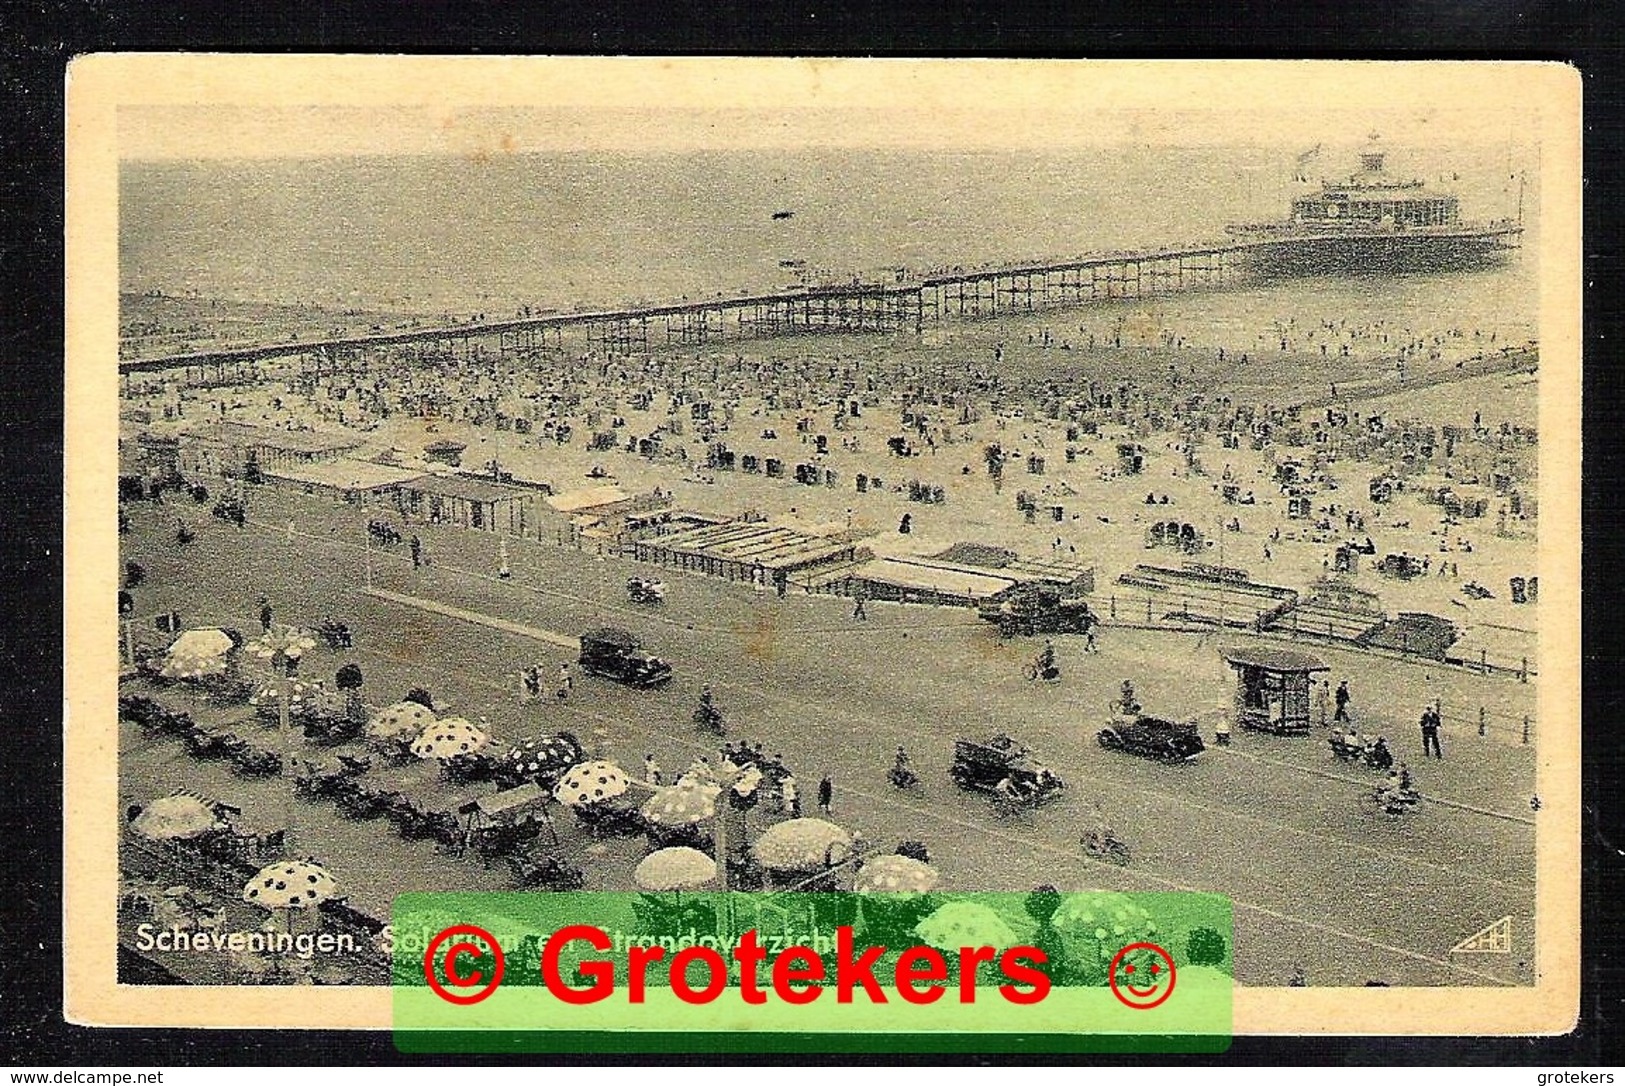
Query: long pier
(907,305)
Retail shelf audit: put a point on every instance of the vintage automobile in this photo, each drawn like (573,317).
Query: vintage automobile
(1152,737)
(617,654)
(1037,608)
(1004,767)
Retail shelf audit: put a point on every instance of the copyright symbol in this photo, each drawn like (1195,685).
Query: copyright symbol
(461,973)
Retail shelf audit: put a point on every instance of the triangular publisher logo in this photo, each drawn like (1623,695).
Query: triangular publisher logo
(1494,939)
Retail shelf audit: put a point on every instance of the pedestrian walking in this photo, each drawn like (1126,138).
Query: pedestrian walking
(266,615)
(417,553)
(566,681)
(858,612)
(1089,644)
(1430,732)
(1342,699)
(790,796)
(1323,702)
(651,771)
(826,793)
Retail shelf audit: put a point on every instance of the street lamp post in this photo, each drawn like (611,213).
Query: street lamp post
(283,647)
(729,781)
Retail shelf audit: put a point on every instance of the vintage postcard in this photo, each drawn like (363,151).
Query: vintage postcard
(1074,507)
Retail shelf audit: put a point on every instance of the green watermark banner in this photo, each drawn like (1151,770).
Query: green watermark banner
(729,971)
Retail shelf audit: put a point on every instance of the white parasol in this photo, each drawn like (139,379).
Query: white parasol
(207,641)
(675,869)
(197,653)
(802,844)
(176,818)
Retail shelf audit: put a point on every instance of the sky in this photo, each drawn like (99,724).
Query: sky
(191,132)
(261,108)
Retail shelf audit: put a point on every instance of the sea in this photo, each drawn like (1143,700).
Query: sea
(458,236)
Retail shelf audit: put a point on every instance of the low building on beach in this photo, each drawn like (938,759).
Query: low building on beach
(904,580)
(466,502)
(273,448)
(608,512)
(344,479)
(744,550)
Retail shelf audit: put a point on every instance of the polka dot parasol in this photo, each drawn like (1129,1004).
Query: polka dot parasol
(302,697)
(450,737)
(400,720)
(290,884)
(900,875)
(682,804)
(965,923)
(1095,925)
(591,782)
(538,757)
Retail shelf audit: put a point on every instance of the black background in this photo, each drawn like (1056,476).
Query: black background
(40,37)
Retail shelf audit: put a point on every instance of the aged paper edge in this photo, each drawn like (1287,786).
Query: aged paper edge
(99,84)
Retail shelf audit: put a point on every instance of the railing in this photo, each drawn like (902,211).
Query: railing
(1181,612)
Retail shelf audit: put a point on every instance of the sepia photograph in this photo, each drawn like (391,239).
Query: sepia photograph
(776,476)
